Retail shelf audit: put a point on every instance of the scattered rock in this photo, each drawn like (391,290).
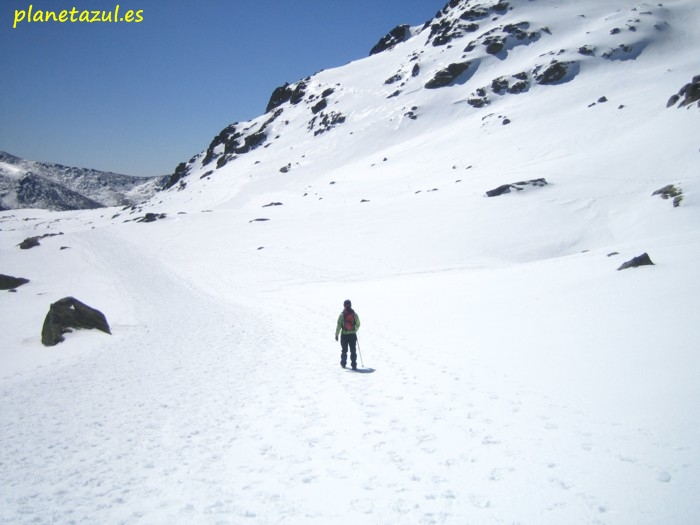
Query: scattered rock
(625,51)
(7,282)
(670,191)
(272,204)
(151,217)
(517,186)
(67,314)
(325,122)
(641,260)
(260,220)
(687,95)
(32,242)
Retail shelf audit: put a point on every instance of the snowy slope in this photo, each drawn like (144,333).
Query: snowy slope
(512,374)
(31,184)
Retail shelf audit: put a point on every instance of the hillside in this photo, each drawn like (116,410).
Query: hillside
(475,186)
(31,184)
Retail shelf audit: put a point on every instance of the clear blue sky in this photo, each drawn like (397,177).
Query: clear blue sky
(138,98)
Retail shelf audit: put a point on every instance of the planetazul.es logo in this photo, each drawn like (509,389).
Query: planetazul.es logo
(75,15)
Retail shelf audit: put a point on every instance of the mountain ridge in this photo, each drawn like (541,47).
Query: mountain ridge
(33,184)
(470,57)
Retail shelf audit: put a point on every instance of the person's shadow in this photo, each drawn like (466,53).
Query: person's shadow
(362,370)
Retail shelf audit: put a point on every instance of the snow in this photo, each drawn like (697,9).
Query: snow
(513,375)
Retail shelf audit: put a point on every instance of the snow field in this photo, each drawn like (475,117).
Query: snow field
(516,376)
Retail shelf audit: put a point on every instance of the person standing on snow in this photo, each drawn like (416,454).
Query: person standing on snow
(348,325)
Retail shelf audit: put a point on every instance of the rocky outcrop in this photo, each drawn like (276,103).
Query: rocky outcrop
(33,242)
(556,72)
(283,94)
(687,95)
(7,282)
(151,217)
(451,74)
(395,36)
(68,314)
(517,186)
(670,192)
(452,23)
(641,260)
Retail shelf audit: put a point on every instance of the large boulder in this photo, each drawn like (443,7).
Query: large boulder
(67,314)
(7,282)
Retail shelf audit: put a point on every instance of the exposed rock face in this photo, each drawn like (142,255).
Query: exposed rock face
(7,282)
(180,173)
(283,94)
(641,260)
(67,314)
(453,22)
(395,36)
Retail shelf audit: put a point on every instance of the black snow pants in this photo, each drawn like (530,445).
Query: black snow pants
(351,341)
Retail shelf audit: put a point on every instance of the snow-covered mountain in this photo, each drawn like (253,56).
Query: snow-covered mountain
(473,68)
(476,186)
(31,184)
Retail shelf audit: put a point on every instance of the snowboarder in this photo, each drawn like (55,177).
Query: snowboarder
(348,325)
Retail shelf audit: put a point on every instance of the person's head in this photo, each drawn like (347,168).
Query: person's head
(347,303)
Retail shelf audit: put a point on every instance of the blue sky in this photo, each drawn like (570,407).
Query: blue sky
(138,98)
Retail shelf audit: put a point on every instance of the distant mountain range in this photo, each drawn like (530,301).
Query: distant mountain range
(31,184)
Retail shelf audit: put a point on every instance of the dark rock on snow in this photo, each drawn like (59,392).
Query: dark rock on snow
(67,314)
(33,242)
(151,217)
(7,282)
(641,260)
(448,76)
(687,95)
(395,36)
(518,186)
(555,72)
(670,191)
